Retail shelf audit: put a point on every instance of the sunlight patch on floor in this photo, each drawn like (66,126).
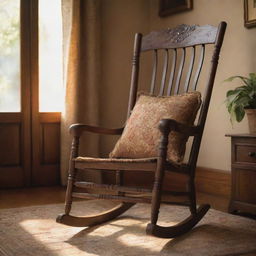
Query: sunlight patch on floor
(105,231)
(42,231)
(36,226)
(143,242)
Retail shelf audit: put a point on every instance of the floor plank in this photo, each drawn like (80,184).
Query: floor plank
(12,198)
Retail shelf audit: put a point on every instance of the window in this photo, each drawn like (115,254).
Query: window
(10,56)
(50,56)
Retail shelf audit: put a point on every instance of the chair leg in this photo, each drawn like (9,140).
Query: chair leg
(71,174)
(192,196)
(156,197)
(119,181)
(157,188)
(68,200)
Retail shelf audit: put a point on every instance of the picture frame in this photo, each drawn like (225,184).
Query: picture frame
(169,7)
(249,13)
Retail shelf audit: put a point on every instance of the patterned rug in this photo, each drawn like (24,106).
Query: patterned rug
(32,231)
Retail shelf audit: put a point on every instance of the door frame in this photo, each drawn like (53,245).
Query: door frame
(30,127)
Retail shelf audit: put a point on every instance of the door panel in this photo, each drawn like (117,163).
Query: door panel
(11,157)
(14,151)
(46,149)
(10,138)
(50,141)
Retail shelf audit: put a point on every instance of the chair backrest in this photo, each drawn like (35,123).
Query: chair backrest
(179,54)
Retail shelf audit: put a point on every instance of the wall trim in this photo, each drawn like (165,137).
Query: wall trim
(213,181)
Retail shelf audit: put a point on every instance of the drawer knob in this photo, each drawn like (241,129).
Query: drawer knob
(252,154)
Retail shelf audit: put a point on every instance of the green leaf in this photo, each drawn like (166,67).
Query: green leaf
(233,95)
(242,101)
(229,107)
(241,97)
(239,113)
(252,94)
(232,114)
(244,79)
(252,76)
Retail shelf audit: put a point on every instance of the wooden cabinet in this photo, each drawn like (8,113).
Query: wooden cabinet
(243,167)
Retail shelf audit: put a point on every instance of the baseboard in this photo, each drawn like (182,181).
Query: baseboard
(213,181)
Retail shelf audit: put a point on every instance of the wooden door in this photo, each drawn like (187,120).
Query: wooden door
(29,139)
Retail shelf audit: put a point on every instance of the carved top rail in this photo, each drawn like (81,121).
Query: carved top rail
(181,36)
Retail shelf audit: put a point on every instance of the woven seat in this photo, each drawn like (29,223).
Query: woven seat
(115,160)
(146,164)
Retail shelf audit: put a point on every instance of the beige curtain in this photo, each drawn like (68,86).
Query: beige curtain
(81,30)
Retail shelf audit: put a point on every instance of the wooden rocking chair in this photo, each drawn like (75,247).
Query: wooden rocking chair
(174,81)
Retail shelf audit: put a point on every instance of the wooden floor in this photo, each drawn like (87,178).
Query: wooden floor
(12,198)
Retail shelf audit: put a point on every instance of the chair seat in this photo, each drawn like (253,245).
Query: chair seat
(140,164)
(116,160)
(135,164)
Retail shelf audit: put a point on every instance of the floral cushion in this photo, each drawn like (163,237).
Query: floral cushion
(141,135)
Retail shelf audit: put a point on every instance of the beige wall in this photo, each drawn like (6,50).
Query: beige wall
(122,18)
(237,57)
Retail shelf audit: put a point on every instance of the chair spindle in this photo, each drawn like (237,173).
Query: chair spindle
(165,69)
(153,81)
(190,69)
(200,65)
(182,61)
(172,73)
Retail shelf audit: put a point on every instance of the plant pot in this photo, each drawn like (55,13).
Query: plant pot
(251,115)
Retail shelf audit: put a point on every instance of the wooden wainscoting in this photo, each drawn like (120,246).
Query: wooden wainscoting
(213,181)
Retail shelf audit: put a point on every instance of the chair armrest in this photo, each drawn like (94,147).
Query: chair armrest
(168,125)
(78,129)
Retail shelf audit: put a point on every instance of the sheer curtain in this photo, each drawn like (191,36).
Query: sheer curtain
(81,44)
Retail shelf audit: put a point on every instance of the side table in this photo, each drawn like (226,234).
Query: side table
(243,173)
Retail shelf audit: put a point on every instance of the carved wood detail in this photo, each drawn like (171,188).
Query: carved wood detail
(181,36)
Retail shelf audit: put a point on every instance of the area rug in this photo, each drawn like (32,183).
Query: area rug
(32,231)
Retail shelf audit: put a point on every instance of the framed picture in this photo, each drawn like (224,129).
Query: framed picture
(168,7)
(250,13)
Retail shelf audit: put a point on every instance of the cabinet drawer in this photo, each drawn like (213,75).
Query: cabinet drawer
(245,153)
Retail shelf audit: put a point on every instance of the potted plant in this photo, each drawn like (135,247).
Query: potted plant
(242,100)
